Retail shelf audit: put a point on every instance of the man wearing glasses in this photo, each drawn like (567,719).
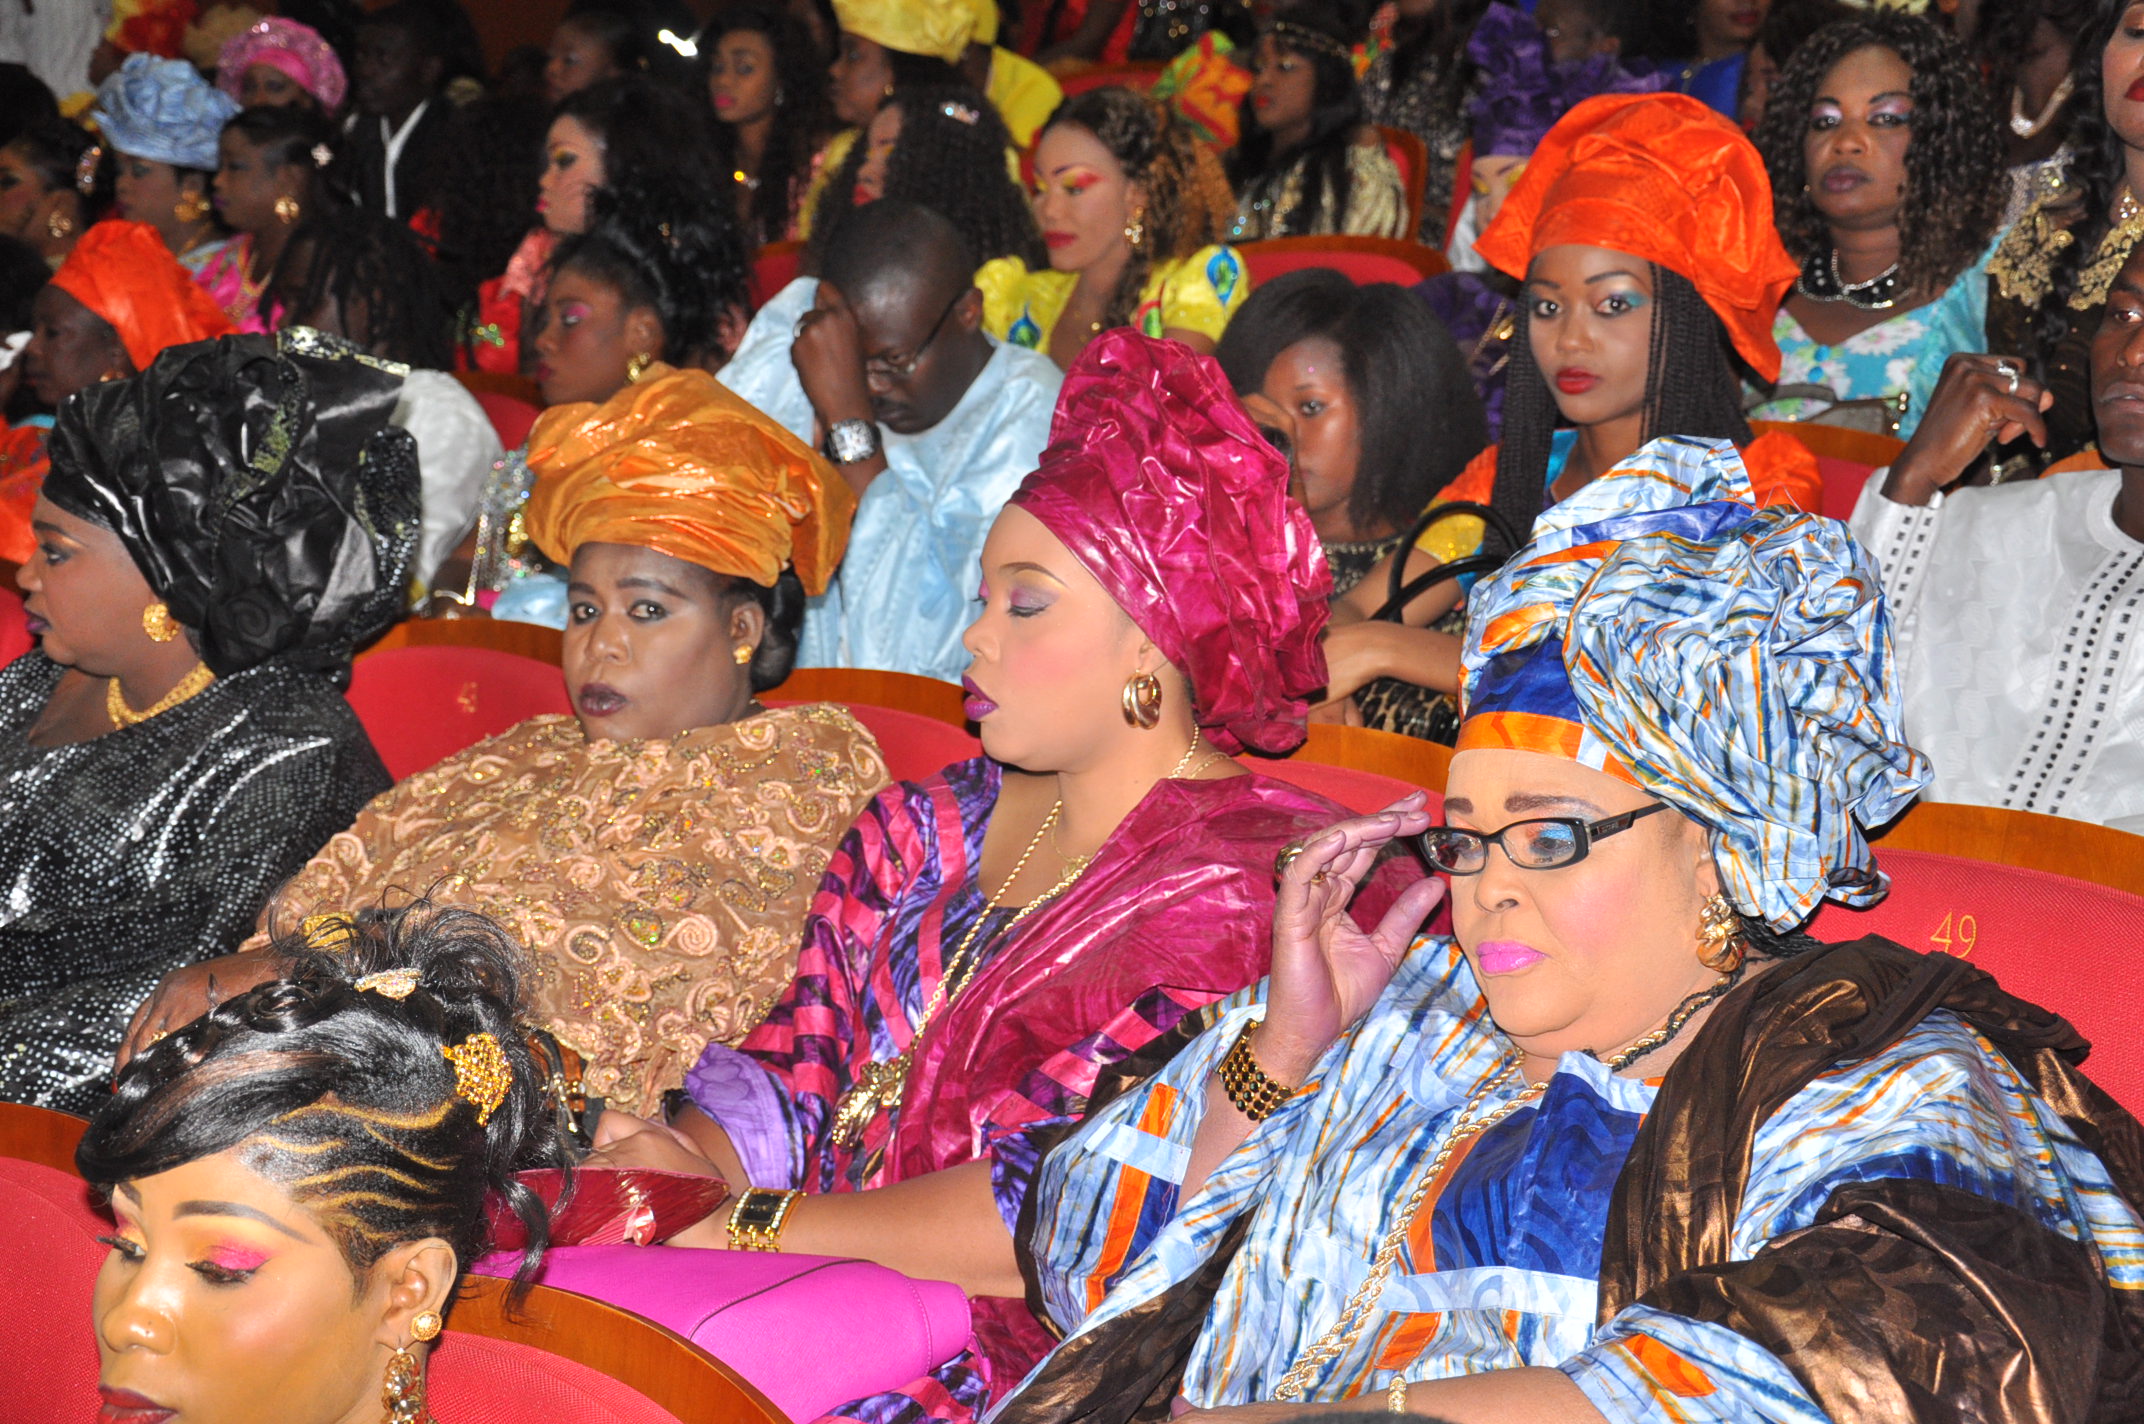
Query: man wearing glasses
(883,364)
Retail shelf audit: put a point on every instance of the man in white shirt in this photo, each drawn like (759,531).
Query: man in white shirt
(2019,608)
(400,121)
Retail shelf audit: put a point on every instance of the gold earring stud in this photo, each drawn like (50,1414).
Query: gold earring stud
(743,655)
(637,367)
(1135,230)
(58,225)
(191,207)
(287,210)
(157,622)
(427,1325)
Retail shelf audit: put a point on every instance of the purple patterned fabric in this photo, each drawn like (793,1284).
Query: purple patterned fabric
(1520,92)
(1470,309)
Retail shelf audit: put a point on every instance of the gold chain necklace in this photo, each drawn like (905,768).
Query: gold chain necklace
(1355,1313)
(115,701)
(879,1086)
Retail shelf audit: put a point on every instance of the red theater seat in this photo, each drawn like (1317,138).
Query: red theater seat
(510,416)
(421,705)
(15,639)
(774,268)
(1362,259)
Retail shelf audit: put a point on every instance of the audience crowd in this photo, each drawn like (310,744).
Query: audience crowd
(1743,458)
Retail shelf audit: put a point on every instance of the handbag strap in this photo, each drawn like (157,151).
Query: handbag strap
(1401,591)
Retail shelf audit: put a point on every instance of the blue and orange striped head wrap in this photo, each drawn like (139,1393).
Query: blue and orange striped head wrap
(1735,662)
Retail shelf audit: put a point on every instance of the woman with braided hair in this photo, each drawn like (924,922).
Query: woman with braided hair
(299,1176)
(1131,210)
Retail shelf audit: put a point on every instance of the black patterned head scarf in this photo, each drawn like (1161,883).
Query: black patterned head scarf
(260,489)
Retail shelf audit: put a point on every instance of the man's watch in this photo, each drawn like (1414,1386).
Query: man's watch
(851,442)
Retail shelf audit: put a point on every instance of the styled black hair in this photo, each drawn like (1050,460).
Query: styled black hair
(783,605)
(361,259)
(670,251)
(54,149)
(1692,387)
(25,102)
(654,138)
(949,158)
(344,1096)
(296,136)
(1258,170)
(803,119)
(488,186)
(1419,417)
(1955,179)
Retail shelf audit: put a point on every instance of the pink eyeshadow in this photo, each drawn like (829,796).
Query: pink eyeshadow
(236,1259)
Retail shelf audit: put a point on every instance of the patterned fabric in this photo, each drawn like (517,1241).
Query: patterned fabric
(1430,103)
(1376,200)
(164,111)
(493,340)
(1734,662)
(22,475)
(1503,1262)
(1173,913)
(295,49)
(1198,294)
(1386,703)
(1204,87)
(225,278)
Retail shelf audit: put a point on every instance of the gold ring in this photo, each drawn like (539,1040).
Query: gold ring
(1286,858)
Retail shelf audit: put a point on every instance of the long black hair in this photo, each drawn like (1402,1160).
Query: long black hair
(670,251)
(343,1094)
(1691,388)
(654,137)
(54,150)
(1257,170)
(362,261)
(803,120)
(2095,172)
(1400,365)
(488,185)
(297,136)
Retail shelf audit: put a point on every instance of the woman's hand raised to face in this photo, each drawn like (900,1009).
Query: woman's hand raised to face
(190,991)
(1326,969)
(1978,400)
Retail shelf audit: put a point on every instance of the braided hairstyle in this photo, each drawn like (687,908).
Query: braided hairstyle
(1336,116)
(343,1095)
(388,293)
(1691,388)
(1188,201)
(802,118)
(949,158)
(669,251)
(1955,182)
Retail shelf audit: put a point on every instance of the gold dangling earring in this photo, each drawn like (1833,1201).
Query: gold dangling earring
(58,226)
(1135,230)
(287,210)
(1142,700)
(157,622)
(191,207)
(1720,944)
(638,366)
(402,1392)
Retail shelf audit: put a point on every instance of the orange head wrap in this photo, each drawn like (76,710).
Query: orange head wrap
(123,272)
(679,464)
(1662,177)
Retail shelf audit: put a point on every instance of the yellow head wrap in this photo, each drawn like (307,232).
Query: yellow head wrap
(678,463)
(937,28)
(986,22)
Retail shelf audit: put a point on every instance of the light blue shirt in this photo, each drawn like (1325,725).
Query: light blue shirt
(901,598)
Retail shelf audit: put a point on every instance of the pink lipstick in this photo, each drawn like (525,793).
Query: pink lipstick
(978,705)
(1506,956)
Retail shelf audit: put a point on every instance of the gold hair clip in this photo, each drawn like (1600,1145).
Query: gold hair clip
(394,983)
(329,932)
(322,155)
(481,1073)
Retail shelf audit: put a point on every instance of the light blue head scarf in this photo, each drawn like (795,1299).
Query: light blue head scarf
(1734,662)
(164,111)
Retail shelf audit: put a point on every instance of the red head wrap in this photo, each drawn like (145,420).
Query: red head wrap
(1662,177)
(1159,484)
(123,272)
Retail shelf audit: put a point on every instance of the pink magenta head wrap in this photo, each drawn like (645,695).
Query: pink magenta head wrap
(1159,484)
(297,50)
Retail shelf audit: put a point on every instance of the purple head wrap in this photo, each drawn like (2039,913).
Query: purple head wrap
(1159,484)
(1522,92)
(297,50)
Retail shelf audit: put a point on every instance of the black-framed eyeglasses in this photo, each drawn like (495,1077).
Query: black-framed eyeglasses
(902,370)
(1548,843)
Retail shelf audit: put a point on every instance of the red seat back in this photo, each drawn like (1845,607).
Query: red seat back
(15,639)
(774,268)
(2069,945)
(421,705)
(1411,156)
(511,416)
(49,1257)
(1362,260)
(1843,480)
(914,745)
(1138,78)
(474,1380)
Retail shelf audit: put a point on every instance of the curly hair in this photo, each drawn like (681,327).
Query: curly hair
(1955,183)
(343,1095)
(802,118)
(653,136)
(669,250)
(2096,170)
(1257,170)
(1188,201)
(389,295)
(949,158)
(488,186)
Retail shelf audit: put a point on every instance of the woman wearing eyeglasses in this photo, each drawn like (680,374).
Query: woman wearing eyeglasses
(1629,1145)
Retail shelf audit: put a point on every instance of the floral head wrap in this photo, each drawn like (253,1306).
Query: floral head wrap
(1160,485)
(939,29)
(1732,661)
(677,463)
(297,50)
(1662,177)
(1522,92)
(124,273)
(164,111)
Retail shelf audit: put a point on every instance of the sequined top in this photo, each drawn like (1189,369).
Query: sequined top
(151,847)
(662,885)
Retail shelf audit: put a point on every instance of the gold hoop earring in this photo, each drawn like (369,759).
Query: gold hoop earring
(1135,230)
(191,207)
(1721,946)
(743,655)
(1142,700)
(58,225)
(402,1392)
(157,622)
(287,210)
(638,366)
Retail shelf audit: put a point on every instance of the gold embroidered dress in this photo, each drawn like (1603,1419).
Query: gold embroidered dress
(660,885)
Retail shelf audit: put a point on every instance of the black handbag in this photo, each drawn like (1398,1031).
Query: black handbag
(1401,591)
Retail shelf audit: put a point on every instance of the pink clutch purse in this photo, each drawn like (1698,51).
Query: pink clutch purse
(610,1206)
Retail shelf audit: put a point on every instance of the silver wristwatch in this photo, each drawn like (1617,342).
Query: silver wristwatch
(851,442)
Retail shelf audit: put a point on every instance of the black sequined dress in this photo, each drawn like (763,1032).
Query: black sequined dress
(150,847)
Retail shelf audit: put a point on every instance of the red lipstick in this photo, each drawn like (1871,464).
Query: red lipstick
(124,1406)
(1576,380)
(1059,239)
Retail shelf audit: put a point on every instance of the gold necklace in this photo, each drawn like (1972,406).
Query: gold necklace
(880,1086)
(115,701)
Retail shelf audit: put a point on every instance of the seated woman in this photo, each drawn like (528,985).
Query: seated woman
(276,62)
(180,746)
(941,146)
(1642,230)
(300,1176)
(881,46)
(1130,207)
(594,42)
(1629,1146)
(48,187)
(988,943)
(1349,371)
(161,119)
(271,175)
(1887,184)
(766,85)
(1305,162)
(657,850)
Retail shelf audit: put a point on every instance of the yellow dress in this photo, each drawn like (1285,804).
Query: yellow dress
(661,886)
(1198,294)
